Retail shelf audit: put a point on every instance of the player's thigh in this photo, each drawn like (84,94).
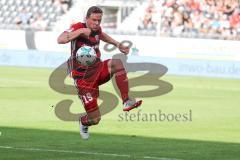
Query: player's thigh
(105,73)
(88,94)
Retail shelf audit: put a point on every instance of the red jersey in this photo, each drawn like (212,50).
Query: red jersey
(75,68)
(93,41)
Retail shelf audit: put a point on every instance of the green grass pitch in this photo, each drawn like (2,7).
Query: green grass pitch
(30,130)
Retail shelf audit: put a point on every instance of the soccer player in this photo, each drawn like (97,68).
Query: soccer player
(88,79)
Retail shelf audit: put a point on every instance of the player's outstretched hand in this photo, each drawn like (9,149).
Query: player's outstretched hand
(123,49)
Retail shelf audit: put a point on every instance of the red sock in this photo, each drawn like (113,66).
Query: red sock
(85,120)
(122,83)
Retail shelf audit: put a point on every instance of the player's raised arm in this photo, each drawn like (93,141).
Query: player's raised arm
(68,36)
(106,38)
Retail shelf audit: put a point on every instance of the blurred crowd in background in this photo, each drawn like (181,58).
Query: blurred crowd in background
(31,14)
(37,21)
(177,18)
(194,18)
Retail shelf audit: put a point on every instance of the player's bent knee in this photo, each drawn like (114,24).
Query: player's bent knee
(118,63)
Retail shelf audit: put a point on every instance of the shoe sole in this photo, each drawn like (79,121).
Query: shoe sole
(136,105)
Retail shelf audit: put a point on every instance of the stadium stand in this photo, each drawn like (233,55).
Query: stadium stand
(218,19)
(193,18)
(31,14)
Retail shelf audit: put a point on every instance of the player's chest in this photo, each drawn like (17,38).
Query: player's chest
(92,40)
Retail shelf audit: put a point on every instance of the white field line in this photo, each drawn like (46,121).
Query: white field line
(159,158)
(83,152)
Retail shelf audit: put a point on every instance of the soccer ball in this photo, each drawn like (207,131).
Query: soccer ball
(86,56)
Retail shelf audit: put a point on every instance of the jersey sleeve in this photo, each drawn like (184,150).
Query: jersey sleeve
(74,27)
